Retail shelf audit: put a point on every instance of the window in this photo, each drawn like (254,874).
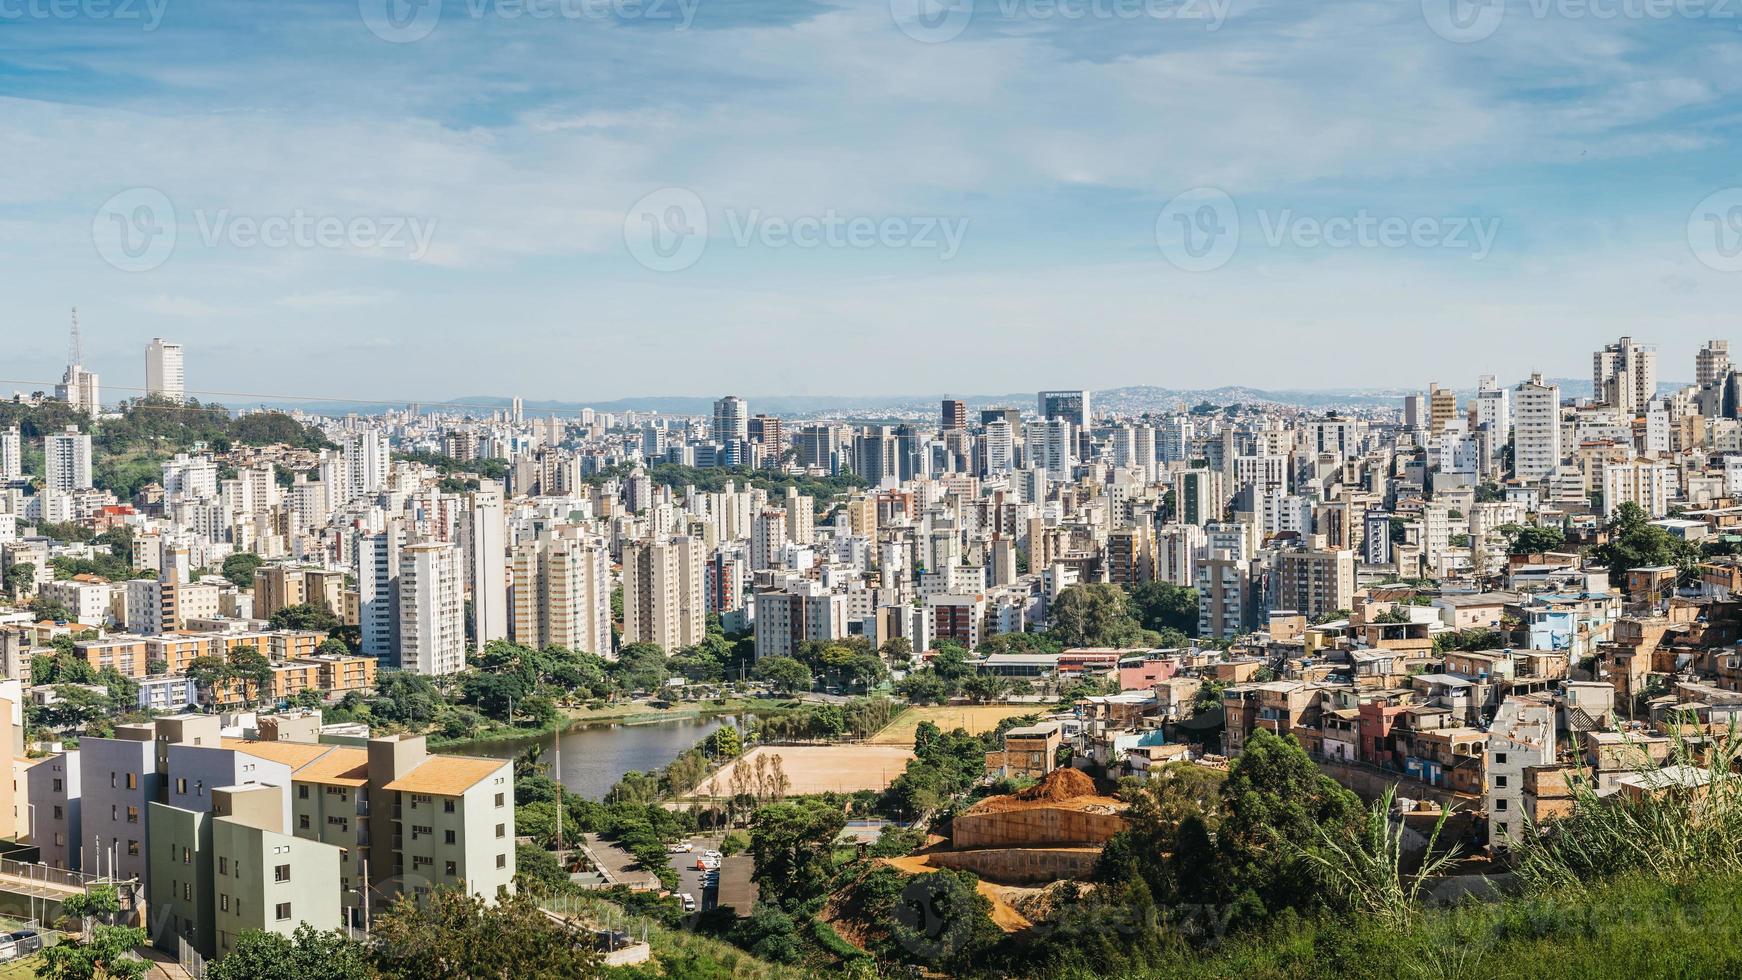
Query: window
(499,800)
(1500,782)
(132,780)
(501,831)
(181,786)
(58,785)
(57,811)
(447,806)
(187,891)
(501,860)
(452,869)
(302,792)
(421,860)
(450,836)
(224,903)
(132,814)
(223,865)
(281,873)
(302,821)
(1500,757)
(283,912)
(1500,804)
(417,831)
(132,848)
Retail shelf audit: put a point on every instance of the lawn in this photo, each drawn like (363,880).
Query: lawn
(976,718)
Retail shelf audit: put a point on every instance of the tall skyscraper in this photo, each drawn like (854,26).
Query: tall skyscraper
(663,599)
(366,459)
(163,370)
(484,534)
(1442,407)
(378,557)
(11,454)
(955,414)
(67,460)
(1000,447)
(1624,374)
(731,420)
(1536,428)
(1711,362)
(432,637)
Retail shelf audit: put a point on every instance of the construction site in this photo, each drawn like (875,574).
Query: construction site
(1049,832)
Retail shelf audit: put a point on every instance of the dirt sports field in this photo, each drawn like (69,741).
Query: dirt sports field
(976,718)
(824,768)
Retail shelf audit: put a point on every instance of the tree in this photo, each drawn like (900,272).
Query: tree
(305,616)
(1529,539)
(20,577)
(450,935)
(1163,606)
(943,920)
(1093,615)
(1634,542)
(1274,798)
(239,568)
(106,955)
(784,673)
(792,844)
(307,954)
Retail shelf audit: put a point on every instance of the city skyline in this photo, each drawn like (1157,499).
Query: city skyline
(1550,182)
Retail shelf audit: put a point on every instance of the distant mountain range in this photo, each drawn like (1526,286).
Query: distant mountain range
(1130,400)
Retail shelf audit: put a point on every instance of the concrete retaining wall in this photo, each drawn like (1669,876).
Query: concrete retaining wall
(1021,865)
(1033,827)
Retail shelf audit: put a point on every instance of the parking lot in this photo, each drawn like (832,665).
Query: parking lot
(690,879)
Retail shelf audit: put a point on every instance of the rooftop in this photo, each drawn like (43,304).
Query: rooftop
(448,775)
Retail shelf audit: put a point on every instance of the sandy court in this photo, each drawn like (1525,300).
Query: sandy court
(976,718)
(819,768)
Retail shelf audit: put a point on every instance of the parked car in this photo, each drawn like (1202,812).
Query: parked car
(681,847)
(689,902)
(26,941)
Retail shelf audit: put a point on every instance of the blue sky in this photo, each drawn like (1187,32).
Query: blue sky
(1055,138)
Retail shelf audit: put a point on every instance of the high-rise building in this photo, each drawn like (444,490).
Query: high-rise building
(1493,408)
(955,414)
(1711,362)
(562,591)
(484,536)
(378,557)
(731,420)
(1624,375)
(663,599)
(432,637)
(67,460)
(1197,496)
(874,454)
(1442,408)
(11,455)
(366,461)
(1072,407)
(1000,447)
(163,371)
(1316,581)
(1536,428)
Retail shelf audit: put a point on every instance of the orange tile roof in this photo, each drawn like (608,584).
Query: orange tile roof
(292,754)
(448,775)
(340,767)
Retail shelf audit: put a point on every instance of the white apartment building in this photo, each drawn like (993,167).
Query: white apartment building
(1624,374)
(163,370)
(562,592)
(484,536)
(1645,483)
(11,455)
(1536,428)
(67,460)
(432,637)
(1522,735)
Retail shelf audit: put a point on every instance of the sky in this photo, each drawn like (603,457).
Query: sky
(593,199)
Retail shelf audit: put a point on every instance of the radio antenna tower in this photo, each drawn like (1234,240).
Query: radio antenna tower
(75,349)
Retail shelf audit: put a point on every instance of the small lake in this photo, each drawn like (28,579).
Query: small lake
(596,755)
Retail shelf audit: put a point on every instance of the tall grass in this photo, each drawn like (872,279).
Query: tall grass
(1670,833)
(1369,866)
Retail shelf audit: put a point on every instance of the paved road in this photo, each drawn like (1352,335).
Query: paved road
(619,866)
